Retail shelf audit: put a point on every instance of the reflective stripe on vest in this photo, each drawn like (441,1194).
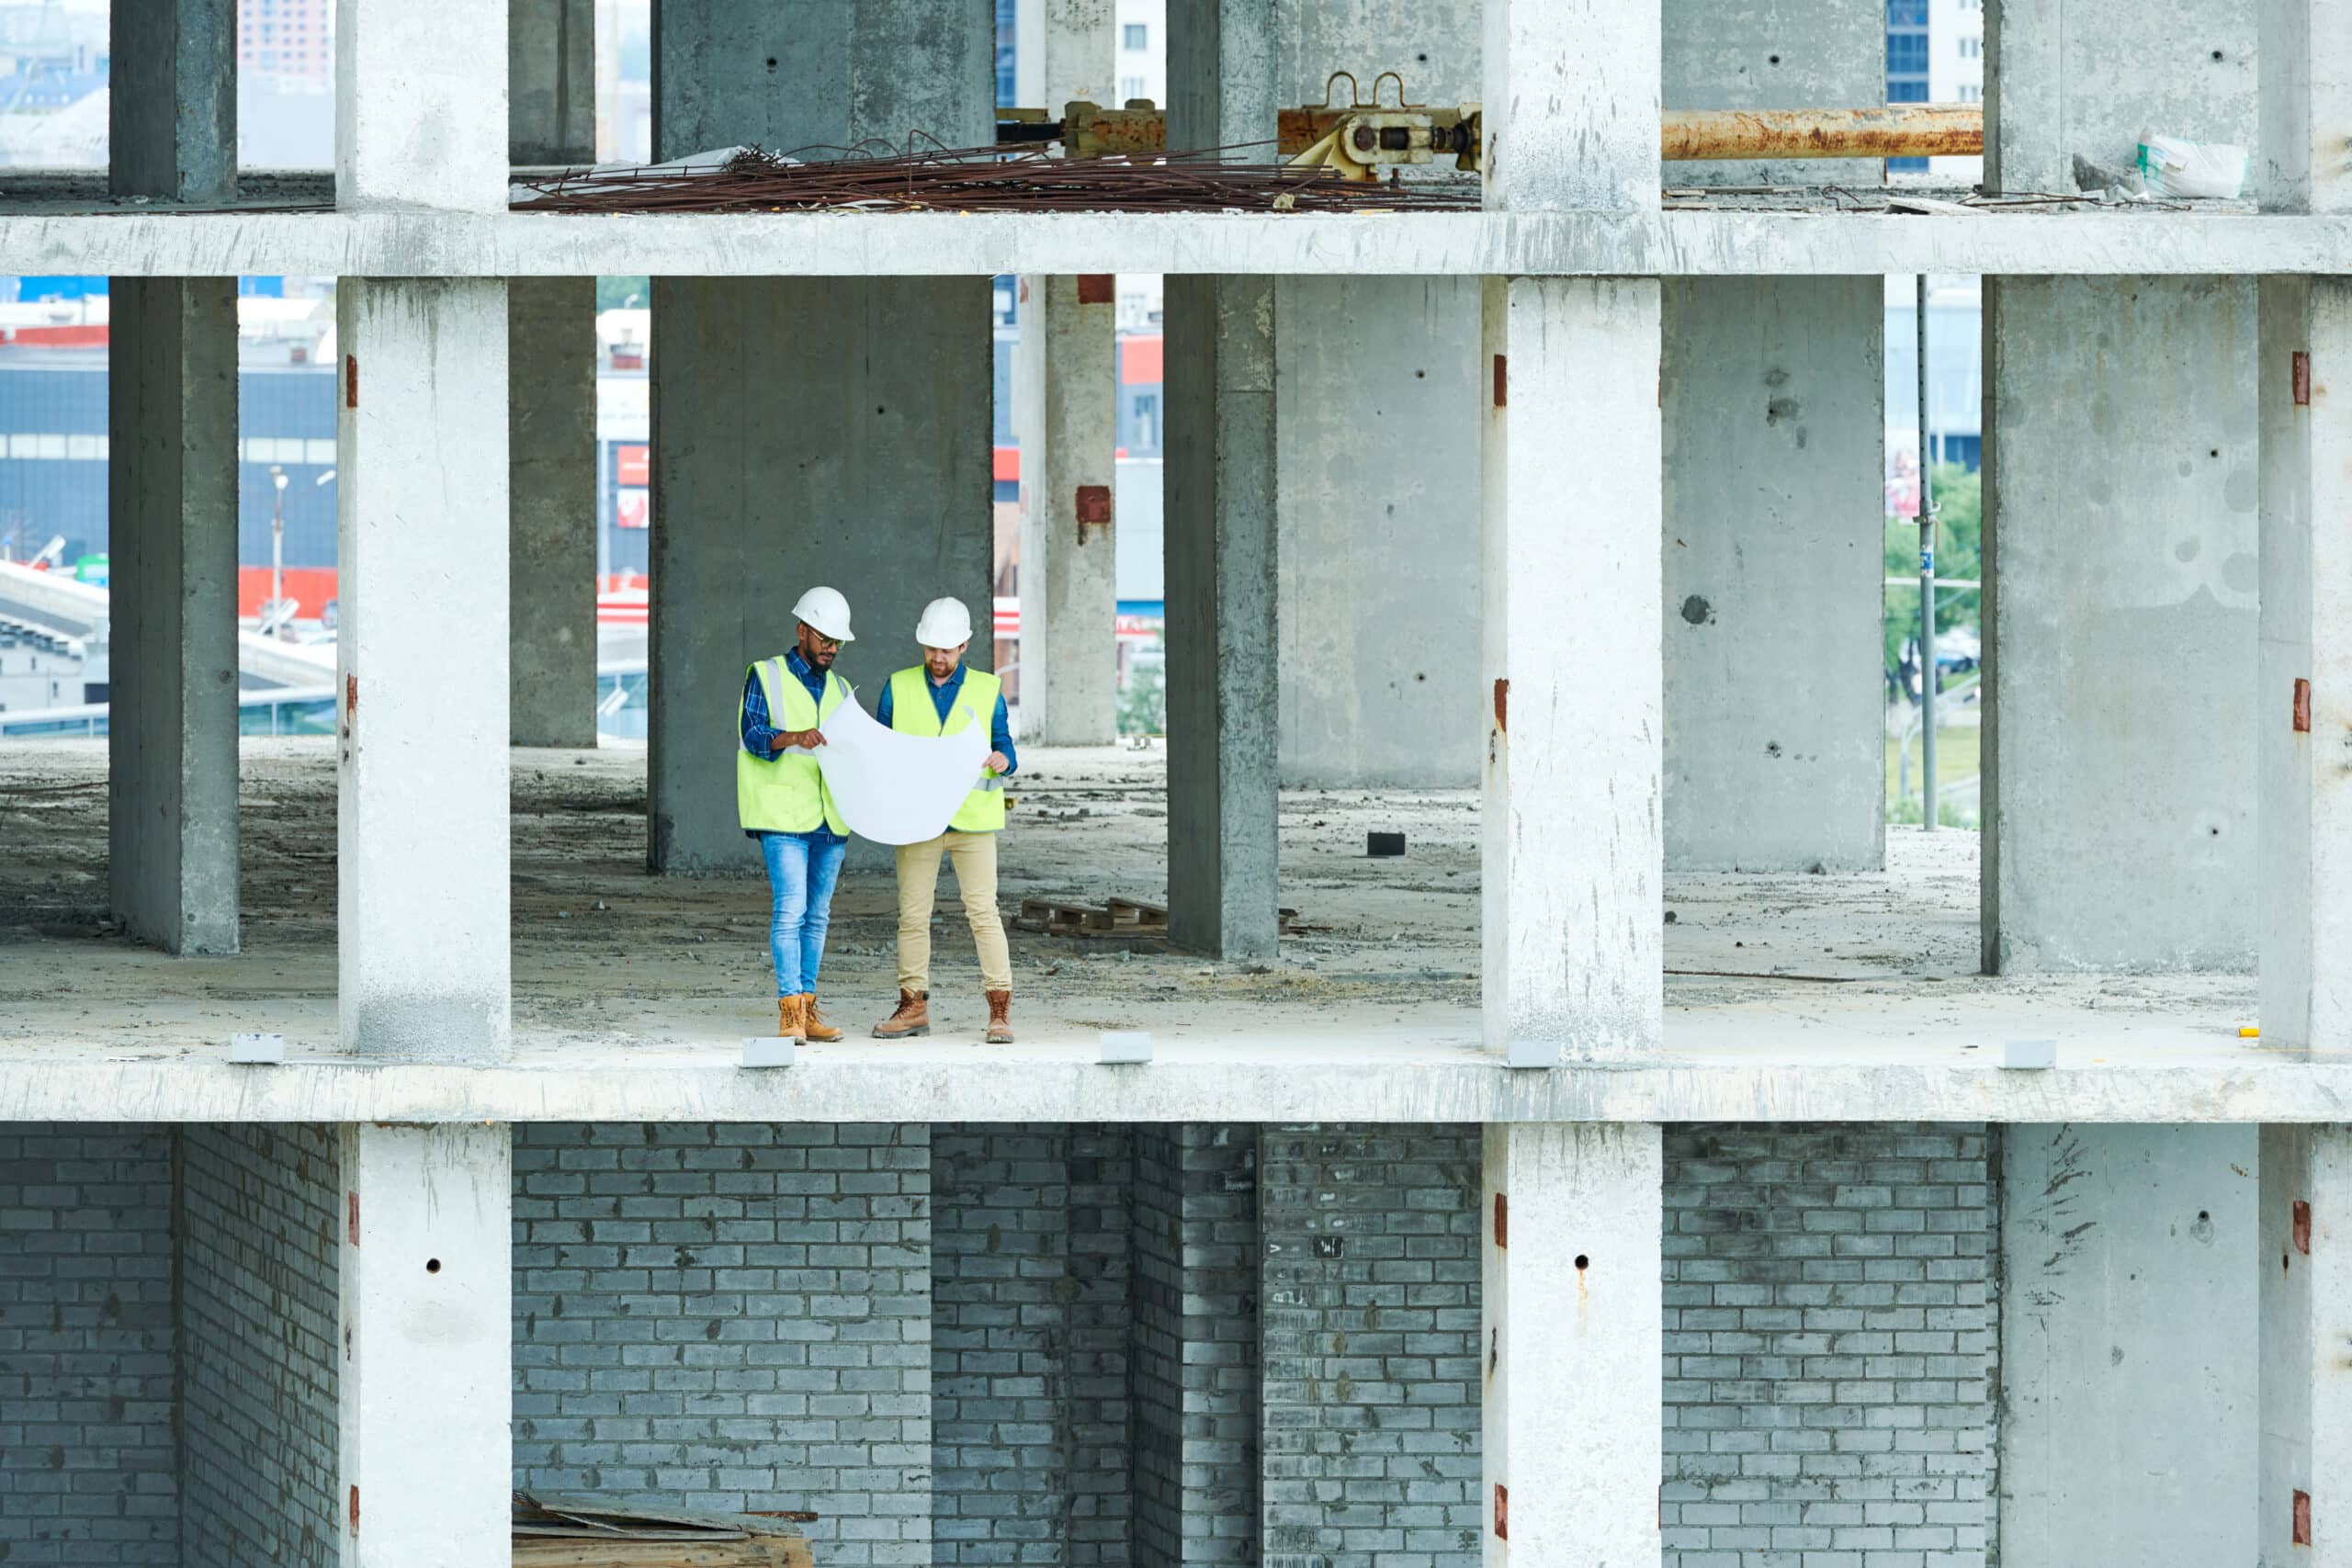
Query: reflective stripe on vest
(912,711)
(785,792)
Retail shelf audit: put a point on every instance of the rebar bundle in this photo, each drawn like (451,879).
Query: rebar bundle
(983,179)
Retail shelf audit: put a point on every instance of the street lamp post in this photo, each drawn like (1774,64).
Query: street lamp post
(279,547)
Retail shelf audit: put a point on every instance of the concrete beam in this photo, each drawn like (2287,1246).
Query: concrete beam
(428,1333)
(2306,101)
(1774,499)
(2303,1259)
(551,510)
(172,115)
(420,105)
(1572,874)
(2098,1384)
(421,821)
(171,516)
(1222,488)
(551,81)
(1279,1079)
(1570,1301)
(796,244)
(2302,719)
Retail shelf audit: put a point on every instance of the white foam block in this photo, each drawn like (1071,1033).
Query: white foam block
(2030,1053)
(769,1052)
(257,1049)
(1125,1046)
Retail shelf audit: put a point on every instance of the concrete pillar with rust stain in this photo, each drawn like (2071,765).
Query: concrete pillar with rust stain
(426,1386)
(1065,416)
(1064,411)
(1573,1349)
(422,818)
(2303,1256)
(1573,850)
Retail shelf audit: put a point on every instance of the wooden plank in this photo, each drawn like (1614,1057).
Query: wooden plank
(775,1551)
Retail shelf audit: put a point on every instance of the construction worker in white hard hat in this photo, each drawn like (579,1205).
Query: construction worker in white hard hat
(940,696)
(784,804)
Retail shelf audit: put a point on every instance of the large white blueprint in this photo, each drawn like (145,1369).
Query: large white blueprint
(894,788)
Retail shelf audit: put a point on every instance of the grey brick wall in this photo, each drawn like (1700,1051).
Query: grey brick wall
(1194,1381)
(1029,1345)
(732,1316)
(1371,1346)
(1829,1338)
(257,1267)
(87,1455)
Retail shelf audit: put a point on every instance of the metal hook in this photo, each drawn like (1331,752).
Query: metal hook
(1355,92)
(1384,76)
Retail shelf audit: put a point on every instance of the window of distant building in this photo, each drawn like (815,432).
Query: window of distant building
(1130,87)
(1133,34)
(1907,65)
(1005,94)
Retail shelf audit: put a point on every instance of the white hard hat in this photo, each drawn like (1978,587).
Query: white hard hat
(825,610)
(945,623)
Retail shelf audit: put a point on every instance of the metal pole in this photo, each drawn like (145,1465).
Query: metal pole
(1927,586)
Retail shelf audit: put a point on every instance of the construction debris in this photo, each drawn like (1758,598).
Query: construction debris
(981,179)
(586,1533)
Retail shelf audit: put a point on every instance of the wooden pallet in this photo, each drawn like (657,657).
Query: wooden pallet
(1113,918)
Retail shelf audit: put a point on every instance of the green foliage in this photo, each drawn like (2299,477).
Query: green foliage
(623,293)
(1959,528)
(1142,698)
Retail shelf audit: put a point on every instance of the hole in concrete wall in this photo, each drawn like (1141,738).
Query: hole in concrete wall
(1583,1262)
(1773,59)
(432,1266)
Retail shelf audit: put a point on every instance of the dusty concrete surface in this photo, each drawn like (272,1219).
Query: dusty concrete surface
(612,966)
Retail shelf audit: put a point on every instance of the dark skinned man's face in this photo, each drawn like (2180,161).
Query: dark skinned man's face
(817,648)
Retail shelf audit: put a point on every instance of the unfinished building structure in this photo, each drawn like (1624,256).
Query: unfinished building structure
(1545,1269)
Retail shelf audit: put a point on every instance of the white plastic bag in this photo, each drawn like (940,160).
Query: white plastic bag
(2170,166)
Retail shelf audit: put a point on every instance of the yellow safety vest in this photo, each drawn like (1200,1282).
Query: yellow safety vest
(913,712)
(784,792)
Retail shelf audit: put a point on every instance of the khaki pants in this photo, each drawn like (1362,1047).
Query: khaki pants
(975,858)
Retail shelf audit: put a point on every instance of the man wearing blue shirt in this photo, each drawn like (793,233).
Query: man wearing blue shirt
(782,801)
(939,696)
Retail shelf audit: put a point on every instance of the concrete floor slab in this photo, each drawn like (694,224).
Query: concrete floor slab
(1792,996)
(2077,240)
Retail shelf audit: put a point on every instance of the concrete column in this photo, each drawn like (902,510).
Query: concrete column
(1222,699)
(1572,92)
(551,81)
(2098,1384)
(420,104)
(426,1291)
(2120,492)
(422,820)
(2303,713)
(826,429)
(551,519)
(1573,1402)
(551,423)
(1774,460)
(172,515)
(2302,719)
(2304,1261)
(1572,868)
(1195,1368)
(1064,415)
(172,115)
(172,498)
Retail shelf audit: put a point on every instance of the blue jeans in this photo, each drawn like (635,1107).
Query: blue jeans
(802,869)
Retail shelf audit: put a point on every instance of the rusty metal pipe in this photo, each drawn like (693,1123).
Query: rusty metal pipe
(1892,130)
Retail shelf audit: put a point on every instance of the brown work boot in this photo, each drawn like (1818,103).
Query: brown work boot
(813,1028)
(912,1017)
(999,1018)
(791,1019)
